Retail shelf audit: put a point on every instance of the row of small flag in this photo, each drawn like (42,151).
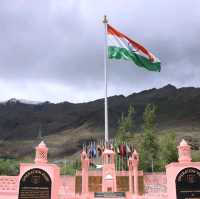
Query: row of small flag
(94,149)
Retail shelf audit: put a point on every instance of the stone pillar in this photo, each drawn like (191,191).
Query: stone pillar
(184,152)
(173,169)
(135,162)
(41,167)
(108,171)
(85,162)
(130,172)
(41,153)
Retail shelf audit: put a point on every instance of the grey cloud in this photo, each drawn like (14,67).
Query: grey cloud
(61,43)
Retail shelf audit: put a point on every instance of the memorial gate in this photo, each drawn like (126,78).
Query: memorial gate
(42,180)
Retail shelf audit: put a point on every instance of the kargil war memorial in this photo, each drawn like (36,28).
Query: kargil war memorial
(42,180)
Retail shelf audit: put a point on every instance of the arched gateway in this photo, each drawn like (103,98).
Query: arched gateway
(188,183)
(35,183)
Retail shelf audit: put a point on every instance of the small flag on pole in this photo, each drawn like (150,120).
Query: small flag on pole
(122,47)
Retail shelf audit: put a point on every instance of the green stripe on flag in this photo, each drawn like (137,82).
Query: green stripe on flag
(123,53)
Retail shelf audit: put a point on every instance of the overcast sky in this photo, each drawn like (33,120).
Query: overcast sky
(53,49)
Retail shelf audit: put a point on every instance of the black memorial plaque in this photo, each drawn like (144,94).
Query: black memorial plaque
(188,184)
(35,184)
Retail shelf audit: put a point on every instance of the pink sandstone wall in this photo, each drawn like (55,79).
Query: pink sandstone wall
(91,172)
(125,173)
(99,172)
(67,189)
(8,187)
(155,186)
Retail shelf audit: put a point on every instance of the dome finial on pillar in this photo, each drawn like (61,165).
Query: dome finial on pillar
(41,153)
(184,152)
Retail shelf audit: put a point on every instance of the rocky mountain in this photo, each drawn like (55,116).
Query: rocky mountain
(22,120)
(176,109)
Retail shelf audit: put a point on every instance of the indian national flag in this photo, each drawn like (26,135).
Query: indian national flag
(122,47)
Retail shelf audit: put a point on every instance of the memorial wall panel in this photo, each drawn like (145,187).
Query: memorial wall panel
(95,183)
(35,183)
(78,184)
(122,183)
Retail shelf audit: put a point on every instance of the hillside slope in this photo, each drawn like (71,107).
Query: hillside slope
(20,122)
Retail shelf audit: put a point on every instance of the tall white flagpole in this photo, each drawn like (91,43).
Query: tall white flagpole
(105,21)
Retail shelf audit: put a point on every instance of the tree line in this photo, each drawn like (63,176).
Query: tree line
(155,151)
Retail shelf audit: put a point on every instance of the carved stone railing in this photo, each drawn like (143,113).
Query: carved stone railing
(8,184)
